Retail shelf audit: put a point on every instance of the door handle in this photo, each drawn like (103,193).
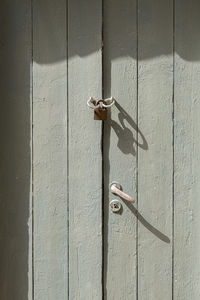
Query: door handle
(117,190)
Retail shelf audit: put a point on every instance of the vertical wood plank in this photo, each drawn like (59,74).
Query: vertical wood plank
(155,166)
(187,151)
(85,158)
(50,150)
(120,146)
(15,150)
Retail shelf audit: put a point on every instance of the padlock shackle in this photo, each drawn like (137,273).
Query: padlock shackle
(106,103)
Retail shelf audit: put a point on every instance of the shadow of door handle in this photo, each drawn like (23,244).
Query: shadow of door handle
(117,190)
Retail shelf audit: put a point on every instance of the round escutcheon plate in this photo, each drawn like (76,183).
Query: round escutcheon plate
(115,206)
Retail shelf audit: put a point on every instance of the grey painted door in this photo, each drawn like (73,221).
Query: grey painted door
(59,238)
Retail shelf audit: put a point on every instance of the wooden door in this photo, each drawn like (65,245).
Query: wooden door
(59,238)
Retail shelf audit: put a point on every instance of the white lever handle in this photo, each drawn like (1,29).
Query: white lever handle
(115,189)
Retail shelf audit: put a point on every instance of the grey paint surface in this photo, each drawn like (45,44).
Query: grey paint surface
(187,152)
(59,239)
(50,205)
(120,148)
(155,166)
(85,159)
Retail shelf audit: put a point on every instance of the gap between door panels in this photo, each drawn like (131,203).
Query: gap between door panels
(105,141)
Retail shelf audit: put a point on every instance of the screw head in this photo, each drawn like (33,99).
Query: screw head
(115,206)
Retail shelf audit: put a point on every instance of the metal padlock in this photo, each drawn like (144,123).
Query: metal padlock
(100,112)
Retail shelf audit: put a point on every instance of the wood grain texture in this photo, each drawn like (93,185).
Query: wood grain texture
(85,158)
(120,144)
(187,151)
(50,150)
(15,150)
(155,166)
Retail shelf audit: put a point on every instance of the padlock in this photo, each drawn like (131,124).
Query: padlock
(100,112)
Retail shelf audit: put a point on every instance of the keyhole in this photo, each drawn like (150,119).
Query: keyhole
(115,206)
